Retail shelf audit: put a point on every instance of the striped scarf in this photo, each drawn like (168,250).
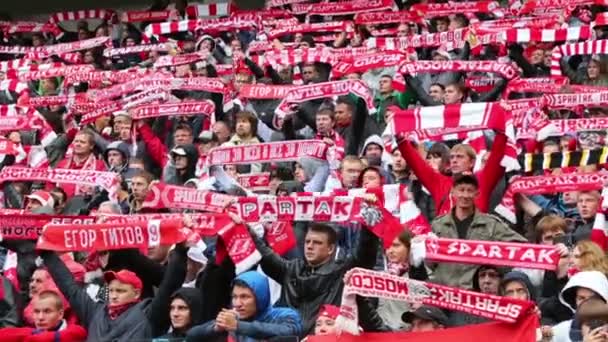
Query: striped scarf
(534,162)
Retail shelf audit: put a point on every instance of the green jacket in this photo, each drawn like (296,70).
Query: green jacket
(483,227)
(401,100)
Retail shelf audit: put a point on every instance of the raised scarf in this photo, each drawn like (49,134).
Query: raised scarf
(111,236)
(466,117)
(582,48)
(368,283)
(324,90)
(162,47)
(103,14)
(343,8)
(291,150)
(506,70)
(87,177)
(537,185)
(511,254)
(206,107)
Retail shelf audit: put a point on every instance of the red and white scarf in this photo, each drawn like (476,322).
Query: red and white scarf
(255,181)
(537,185)
(511,254)
(527,35)
(110,236)
(449,8)
(206,107)
(291,150)
(142,16)
(189,58)
(343,8)
(147,96)
(585,99)
(298,208)
(31,27)
(161,196)
(103,14)
(209,10)
(536,85)
(466,117)
(368,283)
(599,232)
(264,92)
(506,70)
(362,63)
(18,225)
(162,47)
(106,180)
(330,26)
(582,48)
(324,90)
(451,39)
(392,17)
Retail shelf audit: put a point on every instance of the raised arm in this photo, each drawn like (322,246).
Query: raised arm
(367,250)
(157,151)
(493,171)
(173,280)
(272,263)
(422,96)
(81,303)
(426,174)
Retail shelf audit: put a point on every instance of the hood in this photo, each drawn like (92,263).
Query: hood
(521,278)
(119,146)
(310,165)
(259,285)
(593,280)
(501,271)
(372,139)
(192,155)
(194,299)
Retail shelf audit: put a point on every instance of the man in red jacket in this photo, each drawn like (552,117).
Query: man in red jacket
(49,323)
(462,161)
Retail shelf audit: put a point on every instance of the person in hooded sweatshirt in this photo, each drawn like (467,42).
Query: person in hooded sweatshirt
(182,165)
(312,173)
(116,156)
(126,317)
(185,312)
(580,287)
(252,318)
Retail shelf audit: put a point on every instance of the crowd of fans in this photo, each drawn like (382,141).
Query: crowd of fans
(186,292)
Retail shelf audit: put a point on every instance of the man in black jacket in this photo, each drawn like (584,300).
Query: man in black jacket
(308,284)
(125,317)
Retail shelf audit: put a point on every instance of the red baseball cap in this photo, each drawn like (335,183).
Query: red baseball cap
(330,311)
(125,277)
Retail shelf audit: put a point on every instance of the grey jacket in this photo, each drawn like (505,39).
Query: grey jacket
(143,320)
(484,227)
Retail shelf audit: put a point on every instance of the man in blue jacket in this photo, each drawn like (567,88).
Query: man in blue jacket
(252,317)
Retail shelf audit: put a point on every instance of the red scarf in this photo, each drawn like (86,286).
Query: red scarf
(492,253)
(110,236)
(268,152)
(116,310)
(368,283)
(536,185)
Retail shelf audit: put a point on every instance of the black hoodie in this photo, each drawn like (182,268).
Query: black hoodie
(194,300)
(170,174)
